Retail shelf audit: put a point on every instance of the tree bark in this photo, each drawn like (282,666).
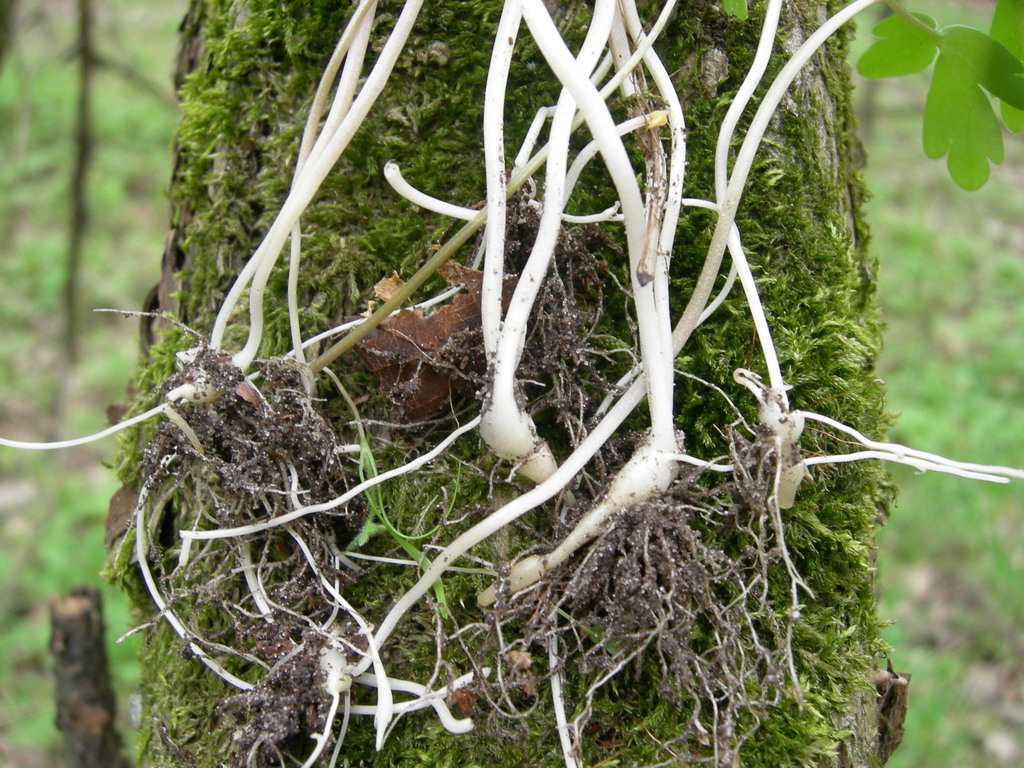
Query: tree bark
(248,71)
(85,700)
(7,15)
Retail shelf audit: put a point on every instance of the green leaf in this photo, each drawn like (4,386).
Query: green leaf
(902,49)
(975,56)
(959,121)
(1008,29)
(1008,26)
(1013,119)
(368,465)
(737,8)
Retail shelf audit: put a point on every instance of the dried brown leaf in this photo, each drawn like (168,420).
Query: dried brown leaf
(388,287)
(421,360)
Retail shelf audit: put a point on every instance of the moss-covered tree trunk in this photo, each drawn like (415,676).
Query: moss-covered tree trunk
(248,71)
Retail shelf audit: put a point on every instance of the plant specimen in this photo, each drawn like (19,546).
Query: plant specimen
(290,505)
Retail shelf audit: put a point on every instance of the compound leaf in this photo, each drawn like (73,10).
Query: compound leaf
(737,8)
(1008,29)
(976,56)
(902,48)
(959,121)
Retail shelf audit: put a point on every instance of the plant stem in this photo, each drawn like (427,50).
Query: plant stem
(899,10)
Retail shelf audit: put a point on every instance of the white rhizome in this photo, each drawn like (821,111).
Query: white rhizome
(618,48)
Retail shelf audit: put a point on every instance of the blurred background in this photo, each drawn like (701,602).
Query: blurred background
(951,565)
(951,560)
(53,505)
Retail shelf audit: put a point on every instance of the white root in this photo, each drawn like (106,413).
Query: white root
(323,156)
(54,446)
(558,700)
(425,698)
(393,176)
(142,555)
(787,426)
(506,427)
(921,460)
(510,433)
(647,474)
(295,514)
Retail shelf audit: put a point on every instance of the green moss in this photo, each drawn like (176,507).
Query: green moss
(244,107)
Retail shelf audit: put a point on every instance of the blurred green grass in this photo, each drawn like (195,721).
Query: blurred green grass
(951,560)
(952,279)
(52,507)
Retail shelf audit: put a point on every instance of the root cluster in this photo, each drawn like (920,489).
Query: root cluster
(255,454)
(650,590)
(654,597)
